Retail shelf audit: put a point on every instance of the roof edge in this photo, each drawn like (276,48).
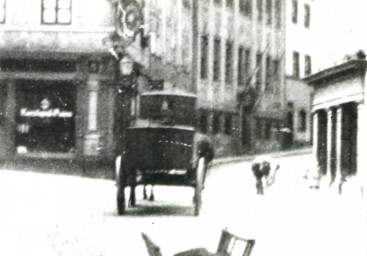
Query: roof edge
(336,71)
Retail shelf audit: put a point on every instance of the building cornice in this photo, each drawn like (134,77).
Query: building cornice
(352,66)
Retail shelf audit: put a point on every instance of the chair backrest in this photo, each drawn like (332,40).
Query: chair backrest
(232,245)
(152,248)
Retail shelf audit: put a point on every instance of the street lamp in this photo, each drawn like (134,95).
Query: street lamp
(126,66)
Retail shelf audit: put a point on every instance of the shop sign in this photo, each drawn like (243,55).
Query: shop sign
(24,112)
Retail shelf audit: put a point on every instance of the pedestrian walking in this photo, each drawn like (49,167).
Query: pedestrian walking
(264,169)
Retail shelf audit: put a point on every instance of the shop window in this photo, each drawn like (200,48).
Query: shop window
(216,123)
(203,123)
(45,117)
(278,13)
(294,11)
(216,64)
(228,124)
(56,11)
(269,8)
(308,66)
(307,16)
(302,121)
(3,97)
(296,64)
(204,57)
(246,7)
(259,7)
(229,61)
(2,11)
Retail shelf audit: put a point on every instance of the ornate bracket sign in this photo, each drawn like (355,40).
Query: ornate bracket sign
(129,20)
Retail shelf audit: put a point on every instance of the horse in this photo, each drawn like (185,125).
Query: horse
(264,167)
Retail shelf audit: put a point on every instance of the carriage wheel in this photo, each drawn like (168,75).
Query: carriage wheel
(121,200)
(200,172)
(132,199)
(120,182)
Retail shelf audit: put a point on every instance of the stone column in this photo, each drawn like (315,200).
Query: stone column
(315,134)
(329,146)
(339,127)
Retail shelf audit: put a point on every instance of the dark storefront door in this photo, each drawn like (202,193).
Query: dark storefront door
(45,117)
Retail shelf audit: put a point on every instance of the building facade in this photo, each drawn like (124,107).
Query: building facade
(64,95)
(300,53)
(339,119)
(240,73)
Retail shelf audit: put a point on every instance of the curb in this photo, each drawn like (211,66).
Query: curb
(226,160)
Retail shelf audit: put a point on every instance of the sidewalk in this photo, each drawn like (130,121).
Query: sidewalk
(283,153)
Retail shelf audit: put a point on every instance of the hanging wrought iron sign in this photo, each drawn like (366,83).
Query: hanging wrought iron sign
(129,18)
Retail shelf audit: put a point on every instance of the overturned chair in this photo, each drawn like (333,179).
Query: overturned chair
(229,245)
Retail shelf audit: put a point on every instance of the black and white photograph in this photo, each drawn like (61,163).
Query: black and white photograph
(183,127)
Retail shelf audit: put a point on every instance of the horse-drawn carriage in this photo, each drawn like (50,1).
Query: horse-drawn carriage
(163,148)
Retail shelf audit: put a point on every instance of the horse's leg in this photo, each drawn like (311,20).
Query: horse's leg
(145,192)
(151,198)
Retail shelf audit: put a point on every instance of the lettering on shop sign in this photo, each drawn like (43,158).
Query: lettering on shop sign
(46,113)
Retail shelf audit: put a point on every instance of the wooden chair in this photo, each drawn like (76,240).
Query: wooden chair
(229,245)
(232,245)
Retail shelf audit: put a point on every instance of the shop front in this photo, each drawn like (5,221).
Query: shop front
(57,108)
(45,116)
(339,126)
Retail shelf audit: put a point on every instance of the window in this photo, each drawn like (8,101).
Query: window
(259,6)
(302,121)
(230,3)
(203,123)
(204,57)
(241,76)
(247,62)
(56,11)
(187,4)
(275,73)
(246,7)
(268,12)
(296,64)
(243,65)
(307,16)
(216,123)
(2,11)
(229,61)
(278,13)
(259,57)
(218,1)
(308,69)
(294,11)
(268,73)
(228,124)
(216,64)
